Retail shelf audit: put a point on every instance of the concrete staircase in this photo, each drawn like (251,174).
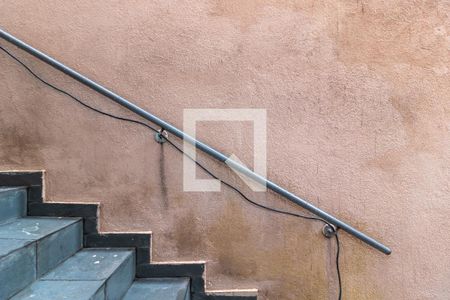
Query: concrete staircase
(54,251)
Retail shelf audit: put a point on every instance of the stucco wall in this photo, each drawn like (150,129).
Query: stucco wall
(357,96)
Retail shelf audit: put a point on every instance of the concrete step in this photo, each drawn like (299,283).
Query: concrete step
(159,288)
(30,247)
(101,273)
(13,203)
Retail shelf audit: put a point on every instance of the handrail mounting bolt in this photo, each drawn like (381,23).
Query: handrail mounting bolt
(329,230)
(161,136)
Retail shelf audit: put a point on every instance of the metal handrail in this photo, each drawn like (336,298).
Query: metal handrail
(199,145)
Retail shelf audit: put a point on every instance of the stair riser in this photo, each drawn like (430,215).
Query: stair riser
(13,204)
(100,295)
(160,288)
(54,249)
(17,270)
(119,282)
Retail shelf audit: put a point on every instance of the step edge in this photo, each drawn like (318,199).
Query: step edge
(27,244)
(102,285)
(76,220)
(125,259)
(5,189)
(132,259)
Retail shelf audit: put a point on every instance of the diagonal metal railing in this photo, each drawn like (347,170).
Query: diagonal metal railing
(199,145)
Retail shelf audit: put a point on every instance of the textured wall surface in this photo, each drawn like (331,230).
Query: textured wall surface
(357,97)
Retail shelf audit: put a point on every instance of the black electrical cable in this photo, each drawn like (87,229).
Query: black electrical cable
(335,233)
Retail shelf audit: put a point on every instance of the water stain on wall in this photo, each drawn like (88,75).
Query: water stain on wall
(19,147)
(162,176)
(226,243)
(239,255)
(189,237)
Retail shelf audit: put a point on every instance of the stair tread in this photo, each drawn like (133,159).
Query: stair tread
(90,264)
(56,290)
(159,288)
(8,246)
(33,228)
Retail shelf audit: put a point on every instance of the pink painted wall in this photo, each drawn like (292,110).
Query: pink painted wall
(357,96)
